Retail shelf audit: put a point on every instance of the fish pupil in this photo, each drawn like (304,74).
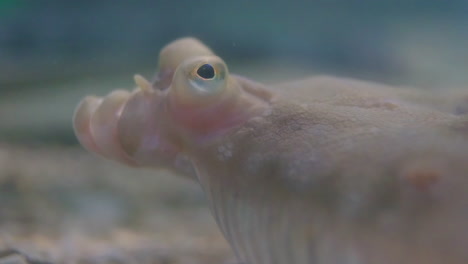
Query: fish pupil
(206,71)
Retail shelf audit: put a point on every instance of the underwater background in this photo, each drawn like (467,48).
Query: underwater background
(59,204)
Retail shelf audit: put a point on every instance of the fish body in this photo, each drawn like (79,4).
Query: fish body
(321,170)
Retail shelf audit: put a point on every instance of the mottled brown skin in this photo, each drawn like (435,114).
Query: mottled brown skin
(323,170)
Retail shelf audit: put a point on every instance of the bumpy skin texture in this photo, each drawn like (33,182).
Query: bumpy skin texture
(323,170)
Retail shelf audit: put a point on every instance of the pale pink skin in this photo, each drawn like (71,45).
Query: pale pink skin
(323,170)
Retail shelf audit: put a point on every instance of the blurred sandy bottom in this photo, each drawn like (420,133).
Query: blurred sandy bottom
(60,205)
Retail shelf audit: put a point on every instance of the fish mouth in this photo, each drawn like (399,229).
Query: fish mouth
(127,127)
(95,124)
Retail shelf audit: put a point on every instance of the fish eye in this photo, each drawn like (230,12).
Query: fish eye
(206,71)
(200,80)
(206,78)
